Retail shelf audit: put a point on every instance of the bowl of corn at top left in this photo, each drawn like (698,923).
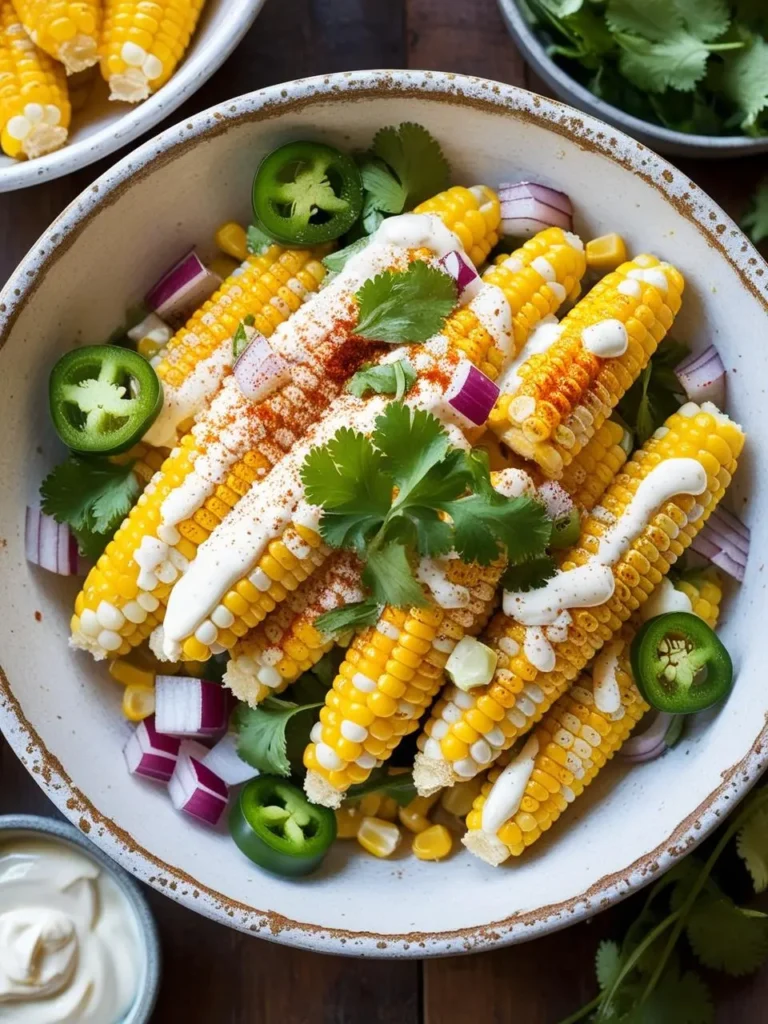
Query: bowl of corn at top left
(80,80)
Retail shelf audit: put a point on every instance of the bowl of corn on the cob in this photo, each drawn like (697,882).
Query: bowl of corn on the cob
(80,80)
(258,613)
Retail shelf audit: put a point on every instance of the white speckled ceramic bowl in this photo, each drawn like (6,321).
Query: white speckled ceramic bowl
(102,127)
(60,711)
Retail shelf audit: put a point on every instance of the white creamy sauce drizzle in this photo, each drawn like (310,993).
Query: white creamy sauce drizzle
(586,586)
(630,287)
(607,339)
(665,598)
(432,573)
(605,685)
(544,268)
(653,276)
(508,790)
(513,483)
(69,949)
(542,337)
(492,309)
(179,403)
(538,650)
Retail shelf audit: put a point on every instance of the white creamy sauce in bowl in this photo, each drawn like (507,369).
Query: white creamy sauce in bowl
(69,941)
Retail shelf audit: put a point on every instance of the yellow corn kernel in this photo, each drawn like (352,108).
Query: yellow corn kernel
(474,214)
(223,266)
(348,819)
(434,843)
(131,675)
(379,837)
(232,239)
(389,808)
(138,701)
(369,805)
(606,252)
(458,799)
(68,30)
(415,815)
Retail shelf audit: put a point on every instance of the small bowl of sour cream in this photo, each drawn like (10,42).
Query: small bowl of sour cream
(78,944)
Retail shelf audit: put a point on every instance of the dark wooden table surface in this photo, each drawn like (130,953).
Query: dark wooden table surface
(214,975)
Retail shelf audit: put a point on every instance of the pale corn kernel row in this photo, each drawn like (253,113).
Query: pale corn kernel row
(67,30)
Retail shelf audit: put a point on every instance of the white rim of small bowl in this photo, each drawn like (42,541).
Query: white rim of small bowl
(193,71)
(674,142)
(472,93)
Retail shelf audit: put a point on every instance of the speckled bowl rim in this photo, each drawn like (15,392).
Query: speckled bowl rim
(667,139)
(51,828)
(720,233)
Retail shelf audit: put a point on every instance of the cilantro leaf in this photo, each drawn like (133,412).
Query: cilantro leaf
(726,937)
(383,379)
(398,785)
(388,575)
(744,78)
(91,495)
(706,19)
(677,999)
(336,261)
(240,339)
(752,847)
(405,306)
(678,62)
(755,220)
(656,394)
(529,574)
(607,963)
(263,740)
(655,20)
(257,240)
(488,525)
(417,160)
(349,616)
(411,441)
(385,193)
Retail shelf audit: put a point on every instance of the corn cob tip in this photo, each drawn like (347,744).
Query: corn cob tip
(321,792)
(79,641)
(78,54)
(242,681)
(130,87)
(486,847)
(430,775)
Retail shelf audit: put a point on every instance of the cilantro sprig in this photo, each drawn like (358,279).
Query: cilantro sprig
(755,220)
(656,394)
(240,340)
(696,66)
(383,379)
(93,496)
(641,978)
(405,492)
(405,306)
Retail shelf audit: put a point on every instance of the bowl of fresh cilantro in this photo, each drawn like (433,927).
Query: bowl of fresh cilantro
(686,78)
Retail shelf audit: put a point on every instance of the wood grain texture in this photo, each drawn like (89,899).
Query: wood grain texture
(216,976)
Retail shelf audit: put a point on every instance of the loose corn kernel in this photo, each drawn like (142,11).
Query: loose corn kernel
(379,837)
(131,675)
(415,815)
(138,701)
(369,805)
(458,799)
(348,819)
(232,239)
(389,809)
(606,252)
(433,844)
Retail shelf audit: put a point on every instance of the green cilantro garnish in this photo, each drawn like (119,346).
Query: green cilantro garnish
(656,394)
(383,497)
(383,379)
(755,220)
(397,785)
(405,306)
(257,240)
(349,616)
(641,979)
(693,65)
(336,261)
(240,337)
(530,574)
(93,496)
(404,167)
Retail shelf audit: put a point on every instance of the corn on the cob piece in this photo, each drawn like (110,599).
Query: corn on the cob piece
(579,733)
(467,731)
(473,214)
(556,399)
(389,677)
(34,104)
(595,465)
(196,359)
(142,42)
(274,655)
(67,30)
(232,446)
(146,459)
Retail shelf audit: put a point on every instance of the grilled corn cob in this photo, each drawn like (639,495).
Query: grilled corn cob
(554,400)
(473,214)
(146,460)
(34,105)
(581,731)
(142,42)
(595,465)
(233,445)
(67,30)
(467,731)
(388,678)
(272,656)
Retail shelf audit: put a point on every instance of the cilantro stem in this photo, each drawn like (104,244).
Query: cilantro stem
(587,1008)
(632,959)
(718,47)
(706,871)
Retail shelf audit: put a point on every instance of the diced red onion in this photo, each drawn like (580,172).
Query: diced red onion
(703,377)
(151,327)
(650,743)
(194,788)
(725,542)
(51,545)
(461,268)
(259,369)
(556,499)
(185,706)
(151,754)
(472,393)
(527,207)
(224,761)
(183,288)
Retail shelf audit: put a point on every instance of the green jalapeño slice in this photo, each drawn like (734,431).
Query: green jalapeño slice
(275,825)
(679,664)
(103,399)
(306,193)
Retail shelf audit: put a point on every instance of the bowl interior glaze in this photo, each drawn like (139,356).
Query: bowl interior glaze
(61,712)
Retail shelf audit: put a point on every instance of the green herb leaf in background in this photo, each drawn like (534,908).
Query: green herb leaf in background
(417,160)
(656,394)
(752,847)
(755,220)
(349,616)
(397,785)
(257,240)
